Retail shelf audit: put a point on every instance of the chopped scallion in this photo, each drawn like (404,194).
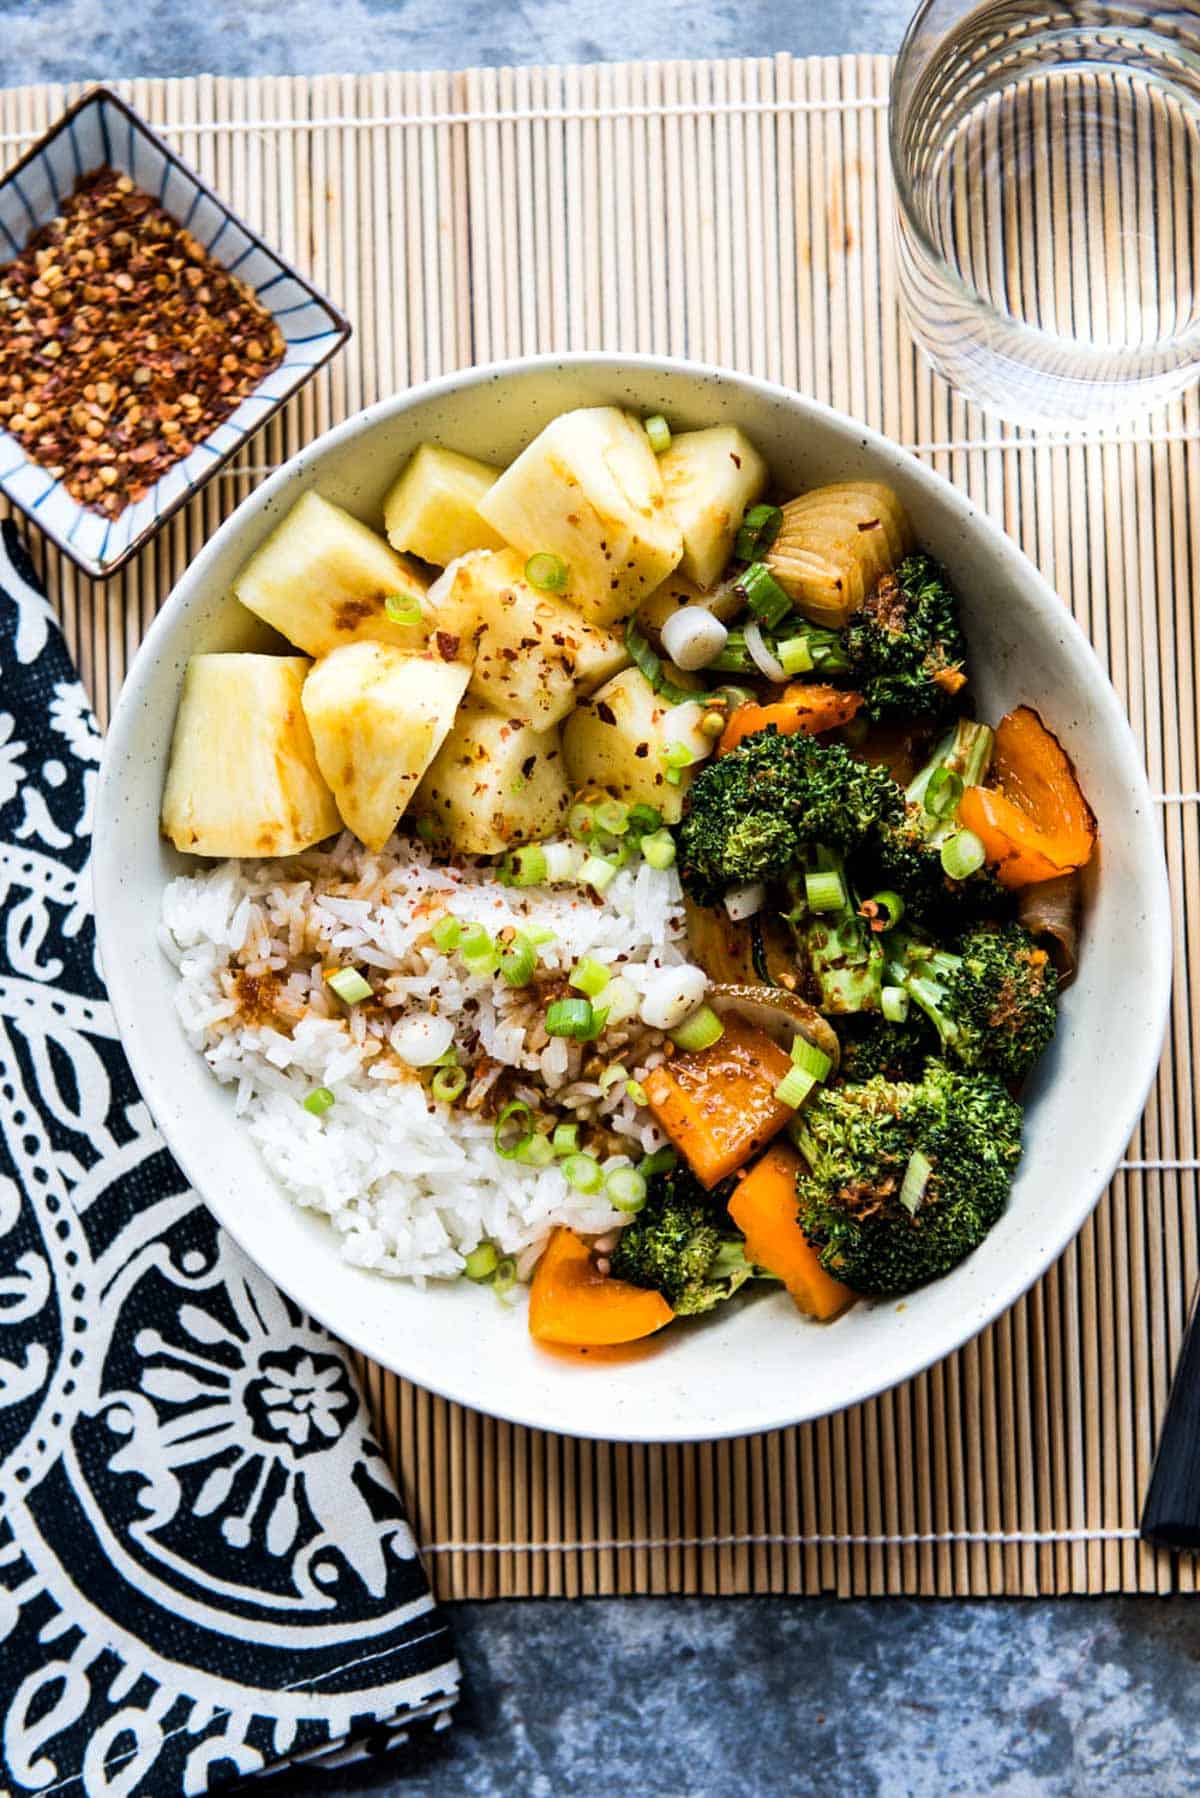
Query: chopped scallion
(518,961)
(888,906)
(589,976)
(426,830)
(963,854)
(765,597)
(943,793)
(806,1055)
(758,530)
(916,1179)
(527,866)
(795,655)
(318,1101)
(662,1161)
(448,1084)
(504,1280)
(699,1031)
(565,1139)
(547,572)
(825,890)
(571,1017)
(612,815)
(598,873)
(482,1262)
(616,1071)
(658,431)
(349,985)
(894,1003)
(637,1092)
(402,608)
(535,1151)
(642,819)
(581,820)
(446,934)
(625,1187)
(583,1172)
(513,1125)
(649,665)
(659,849)
(794,1088)
(539,934)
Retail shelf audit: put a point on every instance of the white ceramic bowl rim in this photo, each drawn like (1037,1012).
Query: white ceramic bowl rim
(1111,1131)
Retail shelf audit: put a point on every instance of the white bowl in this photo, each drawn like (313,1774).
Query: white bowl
(756,1365)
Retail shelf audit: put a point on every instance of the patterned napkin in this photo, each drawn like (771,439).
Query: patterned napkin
(204,1566)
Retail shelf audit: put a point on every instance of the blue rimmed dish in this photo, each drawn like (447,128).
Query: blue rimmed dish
(100,131)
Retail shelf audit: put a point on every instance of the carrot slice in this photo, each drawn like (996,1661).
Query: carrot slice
(718,1106)
(1035,823)
(764,1209)
(808,709)
(571,1303)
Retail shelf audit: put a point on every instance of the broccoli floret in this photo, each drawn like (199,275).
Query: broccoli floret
(905,645)
(991,996)
(904,1179)
(908,849)
(872,1045)
(680,1244)
(838,946)
(749,814)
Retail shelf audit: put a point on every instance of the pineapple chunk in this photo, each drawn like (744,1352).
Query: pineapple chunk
(322,577)
(243,778)
(588,489)
(724,602)
(618,739)
(494,784)
(534,655)
(710,477)
(432,509)
(378,716)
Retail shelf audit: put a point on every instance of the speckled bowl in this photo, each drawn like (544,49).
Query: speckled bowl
(757,1365)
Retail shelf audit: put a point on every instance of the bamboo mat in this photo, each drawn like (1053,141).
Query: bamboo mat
(738,212)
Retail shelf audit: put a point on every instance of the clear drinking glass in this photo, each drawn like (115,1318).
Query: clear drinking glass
(1047,168)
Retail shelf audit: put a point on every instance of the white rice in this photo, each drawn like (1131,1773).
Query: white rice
(410,1186)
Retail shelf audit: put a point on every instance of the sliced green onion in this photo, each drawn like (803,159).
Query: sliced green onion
(402,608)
(583,1172)
(626,1188)
(916,1179)
(642,819)
(478,951)
(888,905)
(426,830)
(637,1092)
(504,1279)
(699,1031)
(538,934)
(349,985)
(659,849)
(535,1151)
(562,861)
(571,1017)
(446,934)
(590,977)
(649,665)
(658,431)
(546,572)
(518,961)
(482,1262)
(448,1084)
(598,873)
(675,758)
(622,999)
(580,820)
(513,1125)
(795,655)
(894,1003)
(794,1088)
(943,793)
(318,1101)
(527,867)
(963,854)
(825,890)
(565,1139)
(758,530)
(614,1072)
(765,597)
(661,1162)
(807,1056)
(612,815)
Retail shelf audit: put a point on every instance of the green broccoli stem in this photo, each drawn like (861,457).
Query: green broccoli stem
(966,755)
(842,952)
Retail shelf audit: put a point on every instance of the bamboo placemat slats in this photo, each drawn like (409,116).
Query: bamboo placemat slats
(739,212)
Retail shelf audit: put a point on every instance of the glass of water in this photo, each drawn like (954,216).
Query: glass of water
(1046,160)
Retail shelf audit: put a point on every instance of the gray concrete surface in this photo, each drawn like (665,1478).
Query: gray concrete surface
(689,1697)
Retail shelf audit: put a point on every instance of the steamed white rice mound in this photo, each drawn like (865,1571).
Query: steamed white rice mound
(409,1185)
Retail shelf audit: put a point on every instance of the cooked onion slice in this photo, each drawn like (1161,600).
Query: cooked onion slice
(1051,908)
(783,1015)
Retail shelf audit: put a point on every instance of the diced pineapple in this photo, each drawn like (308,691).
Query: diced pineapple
(322,579)
(378,716)
(620,737)
(432,511)
(534,655)
(710,477)
(494,784)
(243,778)
(588,489)
(724,602)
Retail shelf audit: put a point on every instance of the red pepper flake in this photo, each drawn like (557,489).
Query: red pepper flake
(123,343)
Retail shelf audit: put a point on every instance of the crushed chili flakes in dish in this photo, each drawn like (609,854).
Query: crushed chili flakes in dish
(123,343)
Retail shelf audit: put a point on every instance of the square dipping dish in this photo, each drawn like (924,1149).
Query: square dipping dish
(101,132)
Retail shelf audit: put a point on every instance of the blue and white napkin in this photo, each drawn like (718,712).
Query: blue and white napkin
(205,1569)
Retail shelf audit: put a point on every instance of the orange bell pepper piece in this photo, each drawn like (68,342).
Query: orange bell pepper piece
(572,1303)
(809,709)
(718,1106)
(1034,823)
(764,1209)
